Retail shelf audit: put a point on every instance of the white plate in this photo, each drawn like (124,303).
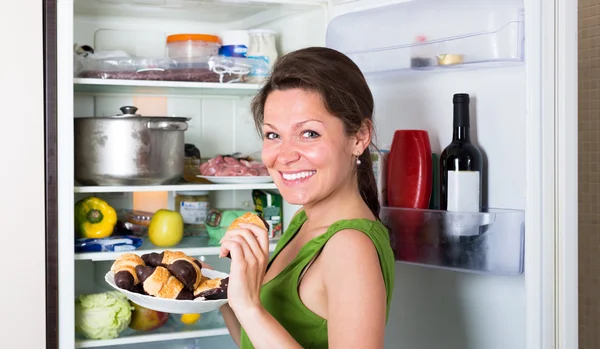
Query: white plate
(238,179)
(173,306)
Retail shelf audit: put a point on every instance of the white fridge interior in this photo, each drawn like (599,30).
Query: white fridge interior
(432,307)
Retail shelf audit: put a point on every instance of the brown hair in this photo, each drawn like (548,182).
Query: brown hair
(344,92)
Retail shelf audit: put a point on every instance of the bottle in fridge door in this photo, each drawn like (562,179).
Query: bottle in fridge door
(461,177)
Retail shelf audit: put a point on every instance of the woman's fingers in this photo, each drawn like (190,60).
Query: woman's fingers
(260,233)
(237,251)
(253,244)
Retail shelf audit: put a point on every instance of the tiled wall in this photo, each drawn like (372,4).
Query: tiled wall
(589,174)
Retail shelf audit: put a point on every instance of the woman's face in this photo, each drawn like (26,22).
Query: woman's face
(305,148)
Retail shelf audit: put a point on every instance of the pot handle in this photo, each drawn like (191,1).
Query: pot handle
(167,125)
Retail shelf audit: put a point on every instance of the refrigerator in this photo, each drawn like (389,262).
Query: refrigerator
(517,61)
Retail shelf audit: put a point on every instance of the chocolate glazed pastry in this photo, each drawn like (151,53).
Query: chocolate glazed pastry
(248,218)
(184,268)
(125,273)
(159,282)
(212,289)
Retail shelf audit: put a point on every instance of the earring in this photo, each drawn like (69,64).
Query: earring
(358,162)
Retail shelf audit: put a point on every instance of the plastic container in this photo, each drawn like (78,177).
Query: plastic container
(262,47)
(192,47)
(207,69)
(234,43)
(193,206)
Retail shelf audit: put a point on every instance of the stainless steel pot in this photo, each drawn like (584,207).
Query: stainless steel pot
(129,149)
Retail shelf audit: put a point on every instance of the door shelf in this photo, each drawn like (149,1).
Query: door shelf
(191,245)
(492,36)
(211,324)
(489,242)
(172,188)
(111,86)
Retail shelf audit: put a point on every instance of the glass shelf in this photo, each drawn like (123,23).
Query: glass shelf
(490,242)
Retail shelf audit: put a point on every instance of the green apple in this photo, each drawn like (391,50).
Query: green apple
(166,228)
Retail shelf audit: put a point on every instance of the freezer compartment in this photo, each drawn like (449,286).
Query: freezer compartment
(432,35)
(490,242)
(217,69)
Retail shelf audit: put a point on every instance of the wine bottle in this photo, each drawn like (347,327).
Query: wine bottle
(461,174)
(461,164)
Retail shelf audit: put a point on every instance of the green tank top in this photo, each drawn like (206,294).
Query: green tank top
(280,296)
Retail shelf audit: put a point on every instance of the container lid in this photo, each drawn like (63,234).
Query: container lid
(193,193)
(193,37)
(234,37)
(261,31)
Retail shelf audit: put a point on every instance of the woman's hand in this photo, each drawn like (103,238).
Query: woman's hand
(249,248)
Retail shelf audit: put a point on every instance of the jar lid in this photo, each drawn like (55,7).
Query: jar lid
(193,37)
(261,31)
(193,193)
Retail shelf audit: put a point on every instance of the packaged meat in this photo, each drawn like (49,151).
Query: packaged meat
(230,166)
(210,69)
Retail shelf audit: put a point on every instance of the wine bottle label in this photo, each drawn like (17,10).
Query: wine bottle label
(463,196)
(463,191)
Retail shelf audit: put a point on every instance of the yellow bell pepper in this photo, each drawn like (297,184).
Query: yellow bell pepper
(94,218)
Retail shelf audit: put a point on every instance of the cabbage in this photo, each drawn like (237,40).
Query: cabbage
(102,315)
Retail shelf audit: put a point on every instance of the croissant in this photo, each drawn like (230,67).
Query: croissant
(125,273)
(159,282)
(212,288)
(248,218)
(186,269)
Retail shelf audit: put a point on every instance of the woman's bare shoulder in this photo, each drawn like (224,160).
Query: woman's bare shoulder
(355,288)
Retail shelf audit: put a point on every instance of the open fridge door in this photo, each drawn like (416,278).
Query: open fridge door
(415,56)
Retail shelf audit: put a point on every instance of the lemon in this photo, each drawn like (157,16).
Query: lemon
(190,319)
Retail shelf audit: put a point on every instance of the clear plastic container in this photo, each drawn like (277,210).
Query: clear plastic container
(192,47)
(209,69)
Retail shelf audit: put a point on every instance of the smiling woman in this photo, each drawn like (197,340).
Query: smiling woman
(315,117)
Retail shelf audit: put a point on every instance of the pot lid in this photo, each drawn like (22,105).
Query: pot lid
(129,111)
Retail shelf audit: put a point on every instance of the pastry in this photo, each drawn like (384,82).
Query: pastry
(159,282)
(124,271)
(186,269)
(211,289)
(248,218)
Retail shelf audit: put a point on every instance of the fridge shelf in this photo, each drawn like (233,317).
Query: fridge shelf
(489,242)
(213,11)
(191,245)
(210,325)
(439,38)
(172,187)
(98,86)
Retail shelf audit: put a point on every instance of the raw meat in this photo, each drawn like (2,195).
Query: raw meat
(187,74)
(229,166)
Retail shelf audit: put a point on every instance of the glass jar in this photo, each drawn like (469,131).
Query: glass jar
(193,207)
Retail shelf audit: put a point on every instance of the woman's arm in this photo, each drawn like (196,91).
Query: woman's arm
(232,323)
(356,295)
(249,248)
(264,331)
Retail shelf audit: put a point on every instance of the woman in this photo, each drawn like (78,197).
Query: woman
(330,281)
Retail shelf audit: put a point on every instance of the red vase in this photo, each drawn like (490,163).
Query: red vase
(409,176)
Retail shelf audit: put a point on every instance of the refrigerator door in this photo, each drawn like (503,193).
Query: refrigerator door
(434,308)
